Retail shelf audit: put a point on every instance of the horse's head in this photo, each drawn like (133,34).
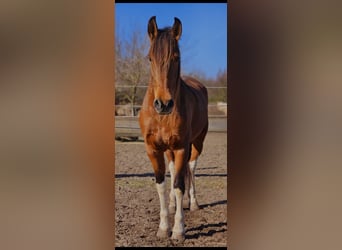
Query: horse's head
(164,56)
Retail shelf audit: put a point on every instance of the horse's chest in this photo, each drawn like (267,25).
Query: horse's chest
(163,138)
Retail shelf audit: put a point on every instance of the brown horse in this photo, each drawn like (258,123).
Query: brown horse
(173,119)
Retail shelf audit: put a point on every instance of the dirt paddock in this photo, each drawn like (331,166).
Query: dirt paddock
(137,202)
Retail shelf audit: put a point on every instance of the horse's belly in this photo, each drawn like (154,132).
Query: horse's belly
(198,125)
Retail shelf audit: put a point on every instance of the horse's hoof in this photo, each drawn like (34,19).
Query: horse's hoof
(194,207)
(178,237)
(172,209)
(162,233)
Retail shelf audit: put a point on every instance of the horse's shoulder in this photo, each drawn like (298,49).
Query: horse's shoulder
(192,82)
(196,87)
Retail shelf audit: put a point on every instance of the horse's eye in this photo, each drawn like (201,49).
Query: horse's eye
(149,58)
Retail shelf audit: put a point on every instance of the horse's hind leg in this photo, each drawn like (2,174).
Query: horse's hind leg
(192,191)
(171,160)
(196,150)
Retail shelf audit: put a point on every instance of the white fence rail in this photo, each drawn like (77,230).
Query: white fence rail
(126,116)
(126,126)
(218,109)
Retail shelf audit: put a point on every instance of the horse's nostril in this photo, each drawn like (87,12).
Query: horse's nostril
(158,104)
(169,104)
(161,107)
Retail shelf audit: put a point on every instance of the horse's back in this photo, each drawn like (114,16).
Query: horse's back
(196,86)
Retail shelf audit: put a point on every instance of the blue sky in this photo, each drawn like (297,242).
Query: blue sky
(203,43)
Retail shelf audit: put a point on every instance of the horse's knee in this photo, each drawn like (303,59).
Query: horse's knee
(179,183)
(160,177)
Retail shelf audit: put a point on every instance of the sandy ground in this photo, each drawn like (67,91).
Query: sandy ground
(137,202)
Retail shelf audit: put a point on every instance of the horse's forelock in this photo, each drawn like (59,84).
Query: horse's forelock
(164,46)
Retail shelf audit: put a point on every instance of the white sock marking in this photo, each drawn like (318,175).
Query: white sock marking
(192,190)
(179,216)
(164,223)
(172,192)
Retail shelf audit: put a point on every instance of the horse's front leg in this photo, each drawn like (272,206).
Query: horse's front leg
(158,164)
(181,157)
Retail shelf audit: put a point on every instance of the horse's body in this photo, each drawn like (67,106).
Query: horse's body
(174,120)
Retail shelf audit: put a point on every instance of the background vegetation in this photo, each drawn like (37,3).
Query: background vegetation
(132,73)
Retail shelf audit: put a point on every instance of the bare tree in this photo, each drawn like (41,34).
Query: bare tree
(131,67)
(218,92)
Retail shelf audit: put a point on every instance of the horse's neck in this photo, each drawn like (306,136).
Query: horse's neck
(179,91)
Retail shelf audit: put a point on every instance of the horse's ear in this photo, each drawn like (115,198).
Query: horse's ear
(152,28)
(177,29)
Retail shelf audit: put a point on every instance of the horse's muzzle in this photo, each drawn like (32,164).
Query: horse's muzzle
(163,108)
